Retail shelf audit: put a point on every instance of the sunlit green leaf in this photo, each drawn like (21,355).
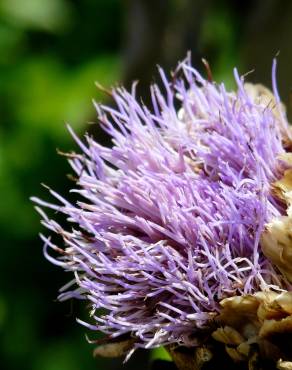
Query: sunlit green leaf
(49,15)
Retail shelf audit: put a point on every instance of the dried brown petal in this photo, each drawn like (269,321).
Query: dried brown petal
(276,243)
(114,349)
(283,187)
(261,95)
(269,307)
(254,362)
(234,354)
(271,328)
(228,335)
(244,348)
(284,365)
(261,321)
(202,356)
(286,157)
(285,301)
(191,358)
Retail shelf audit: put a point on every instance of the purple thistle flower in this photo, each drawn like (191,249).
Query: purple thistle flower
(170,218)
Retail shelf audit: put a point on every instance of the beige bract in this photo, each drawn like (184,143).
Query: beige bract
(262,319)
(276,240)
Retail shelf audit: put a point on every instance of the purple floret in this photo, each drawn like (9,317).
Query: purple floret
(170,217)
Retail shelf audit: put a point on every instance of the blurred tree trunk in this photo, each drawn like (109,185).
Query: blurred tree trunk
(159,32)
(269,30)
(162,31)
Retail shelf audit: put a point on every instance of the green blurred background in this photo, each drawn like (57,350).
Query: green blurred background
(51,53)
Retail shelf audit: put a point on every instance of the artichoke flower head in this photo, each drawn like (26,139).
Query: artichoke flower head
(182,232)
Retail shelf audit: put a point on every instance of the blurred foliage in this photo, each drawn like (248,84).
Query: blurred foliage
(51,52)
(220,38)
(53,15)
(160,353)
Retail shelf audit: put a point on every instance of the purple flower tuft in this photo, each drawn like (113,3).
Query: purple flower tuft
(170,217)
